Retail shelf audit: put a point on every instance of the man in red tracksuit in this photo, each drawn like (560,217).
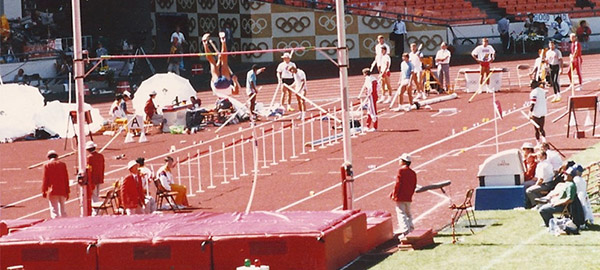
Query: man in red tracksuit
(406,182)
(95,163)
(55,185)
(370,86)
(132,192)
(576,60)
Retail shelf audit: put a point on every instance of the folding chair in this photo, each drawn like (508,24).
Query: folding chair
(520,75)
(466,207)
(105,204)
(163,194)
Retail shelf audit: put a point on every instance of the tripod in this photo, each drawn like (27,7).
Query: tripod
(140,51)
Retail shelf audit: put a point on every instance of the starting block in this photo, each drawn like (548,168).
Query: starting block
(499,197)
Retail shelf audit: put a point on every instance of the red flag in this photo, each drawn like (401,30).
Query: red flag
(498,109)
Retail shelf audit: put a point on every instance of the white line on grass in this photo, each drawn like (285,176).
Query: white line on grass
(516,248)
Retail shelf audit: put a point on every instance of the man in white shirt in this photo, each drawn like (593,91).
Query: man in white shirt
(442,59)
(538,110)
(399,30)
(378,51)
(553,157)
(554,60)
(415,59)
(284,76)
(180,40)
(370,86)
(251,89)
(484,54)
(562,29)
(300,88)
(385,62)
(404,83)
(543,178)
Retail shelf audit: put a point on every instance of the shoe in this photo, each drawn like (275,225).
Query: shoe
(388,100)
(371,130)
(381,100)
(205,37)
(578,88)
(407,108)
(397,109)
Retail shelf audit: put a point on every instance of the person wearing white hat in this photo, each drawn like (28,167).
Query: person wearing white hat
(95,164)
(529,161)
(151,112)
(285,76)
(123,104)
(55,185)
(222,78)
(406,182)
(132,192)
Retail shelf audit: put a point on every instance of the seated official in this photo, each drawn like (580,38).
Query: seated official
(168,182)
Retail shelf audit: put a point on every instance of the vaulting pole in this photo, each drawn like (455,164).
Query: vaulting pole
(342,53)
(78,67)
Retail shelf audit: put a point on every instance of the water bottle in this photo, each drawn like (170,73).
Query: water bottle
(247,263)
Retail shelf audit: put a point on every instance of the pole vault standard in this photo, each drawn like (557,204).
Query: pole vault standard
(78,68)
(342,53)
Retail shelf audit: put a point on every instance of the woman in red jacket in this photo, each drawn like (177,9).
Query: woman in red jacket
(132,193)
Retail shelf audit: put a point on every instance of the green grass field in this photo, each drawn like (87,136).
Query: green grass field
(512,239)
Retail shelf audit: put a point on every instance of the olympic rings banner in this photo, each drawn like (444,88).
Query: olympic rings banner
(259,25)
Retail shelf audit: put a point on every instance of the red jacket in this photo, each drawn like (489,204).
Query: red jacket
(56,179)
(530,165)
(132,193)
(406,182)
(149,108)
(95,162)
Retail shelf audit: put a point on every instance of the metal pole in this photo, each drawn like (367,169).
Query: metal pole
(343,66)
(78,68)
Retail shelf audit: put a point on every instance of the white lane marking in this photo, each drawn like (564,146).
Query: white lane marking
(430,210)
(11,169)
(456,169)
(516,248)
(335,158)
(373,157)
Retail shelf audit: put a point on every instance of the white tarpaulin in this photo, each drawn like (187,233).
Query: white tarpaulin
(18,104)
(54,117)
(168,86)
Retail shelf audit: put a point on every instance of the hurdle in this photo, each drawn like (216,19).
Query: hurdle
(199,173)
(321,127)
(303,137)
(264,150)
(210,167)
(243,157)
(189,163)
(282,143)
(312,133)
(274,161)
(224,165)
(234,167)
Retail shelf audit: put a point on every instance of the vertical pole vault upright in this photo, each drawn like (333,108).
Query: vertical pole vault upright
(342,53)
(78,68)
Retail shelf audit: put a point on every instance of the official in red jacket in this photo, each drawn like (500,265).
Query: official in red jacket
(95,162)
(406,182)
(132,192)
(55,185)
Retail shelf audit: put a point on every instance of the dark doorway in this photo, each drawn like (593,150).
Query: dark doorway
(165,26)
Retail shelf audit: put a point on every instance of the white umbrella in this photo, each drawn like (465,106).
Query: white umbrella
(18,104)
(168,87)
(54,117)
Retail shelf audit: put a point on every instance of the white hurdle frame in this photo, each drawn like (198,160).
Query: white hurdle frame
(303,137)
(282,143)
(321,127)
(293,141)
(235,177)
(224,165)
(274,161)
(264,150)
(335,130)
(199,173)
(329,139)
(312,134)
(210,167)
(178,171)
(189,162)
(243,157)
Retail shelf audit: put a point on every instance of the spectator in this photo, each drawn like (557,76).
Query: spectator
(585,3)
(398,35)
(529,24)
(503,30)
(19,77)
(583,33)
(542,181)
(55,185)
(100,51)
(132,193)
(582,193)
(529,160)
(178,40)
(228,36)
(559,198)
(562,29)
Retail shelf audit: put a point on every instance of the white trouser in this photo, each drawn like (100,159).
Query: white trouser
(405,224)
(57,206)
(134,211)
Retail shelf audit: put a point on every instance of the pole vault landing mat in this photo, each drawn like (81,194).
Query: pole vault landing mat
(201,240)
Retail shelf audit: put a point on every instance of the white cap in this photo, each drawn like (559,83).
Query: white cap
(527,145)
(131,164)
(89,145)
(286,55)
(126,93)
(405,157)
(51,152)
(153,93)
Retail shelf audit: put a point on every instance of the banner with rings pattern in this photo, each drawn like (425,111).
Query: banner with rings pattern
(259,25)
